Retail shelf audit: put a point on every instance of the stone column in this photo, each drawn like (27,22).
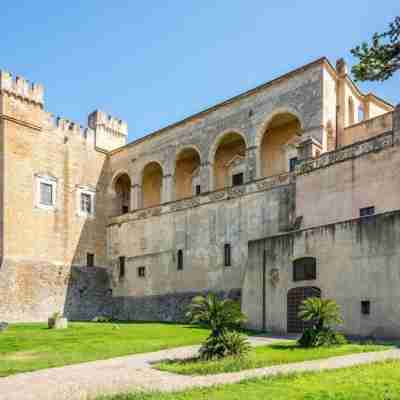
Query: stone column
(206,171)
(251,163)
(135,197)
(166,190)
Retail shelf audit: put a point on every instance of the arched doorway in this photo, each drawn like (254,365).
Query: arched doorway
(151,184)
(122,187)
(294,299)
(229,161)
(187,173)
(278,152)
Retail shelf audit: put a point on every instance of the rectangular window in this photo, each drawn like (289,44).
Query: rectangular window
(366,307)
(367,211)
(198,190)
(292,164)
(237,179)
(125,209)
(46,194)
(90,260)
(141,271)
(121,267)
(304,269)
(227,255)
(179,261)
(86,203)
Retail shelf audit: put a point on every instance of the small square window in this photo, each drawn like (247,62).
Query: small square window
(227,255)
(86,203)
(90,260)
(292,164)
(366,307)
(237,179)
(121,267)
(198,190)
(367,211)
(141,271)
(125,209)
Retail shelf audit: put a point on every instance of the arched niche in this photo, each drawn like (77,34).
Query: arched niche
(152,184)
(187,173)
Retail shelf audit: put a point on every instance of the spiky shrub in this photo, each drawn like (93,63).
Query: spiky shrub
(325,314)
(223,317)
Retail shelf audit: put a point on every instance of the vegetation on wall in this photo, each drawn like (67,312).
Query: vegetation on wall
(379,60)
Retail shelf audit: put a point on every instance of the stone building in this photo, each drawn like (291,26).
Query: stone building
(282,192)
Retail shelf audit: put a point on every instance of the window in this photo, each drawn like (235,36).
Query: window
(227,255)
(292,164)
(366,307)
(90,260)
(367,211)
(304,269)
(121,267)
(237,179)
(85,200)
(198,190)
(45,192)
(179,260)
(125,209)
(141,271)
(86,203)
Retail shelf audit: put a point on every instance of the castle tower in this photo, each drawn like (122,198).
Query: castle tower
(110,132)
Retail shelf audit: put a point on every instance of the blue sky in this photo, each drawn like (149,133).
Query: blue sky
(154,63)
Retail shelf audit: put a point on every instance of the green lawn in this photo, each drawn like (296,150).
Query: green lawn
(28,347)
(280,353)
(371,382)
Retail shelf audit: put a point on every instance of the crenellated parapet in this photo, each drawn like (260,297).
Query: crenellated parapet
(69,128)
(21,88)
(111,132)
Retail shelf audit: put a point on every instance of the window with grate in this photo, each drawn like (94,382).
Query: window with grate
(141,271)
(198,190)
(304,269)
(86,203)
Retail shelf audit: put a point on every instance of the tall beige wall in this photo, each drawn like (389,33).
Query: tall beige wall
(356,261)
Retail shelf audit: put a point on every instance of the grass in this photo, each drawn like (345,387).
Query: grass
(373,382)
(279,353)
(29,347)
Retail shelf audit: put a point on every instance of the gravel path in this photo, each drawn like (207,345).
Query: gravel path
(126,374)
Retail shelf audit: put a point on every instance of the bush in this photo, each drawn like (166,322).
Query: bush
(313,337)
(229,344)
(323,313)
(223,317)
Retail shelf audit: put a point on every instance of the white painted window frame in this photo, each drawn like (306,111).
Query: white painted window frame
(90,192)
(49,180)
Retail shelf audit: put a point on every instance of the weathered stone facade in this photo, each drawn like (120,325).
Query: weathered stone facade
(172,214)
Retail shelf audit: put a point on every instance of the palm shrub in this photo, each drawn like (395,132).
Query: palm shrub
(224,318)
(325,314)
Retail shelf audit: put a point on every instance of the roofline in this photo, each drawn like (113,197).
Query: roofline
(321,60)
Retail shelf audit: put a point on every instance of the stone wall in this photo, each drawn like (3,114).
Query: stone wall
(34,291)
(357,260)
(167,307)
